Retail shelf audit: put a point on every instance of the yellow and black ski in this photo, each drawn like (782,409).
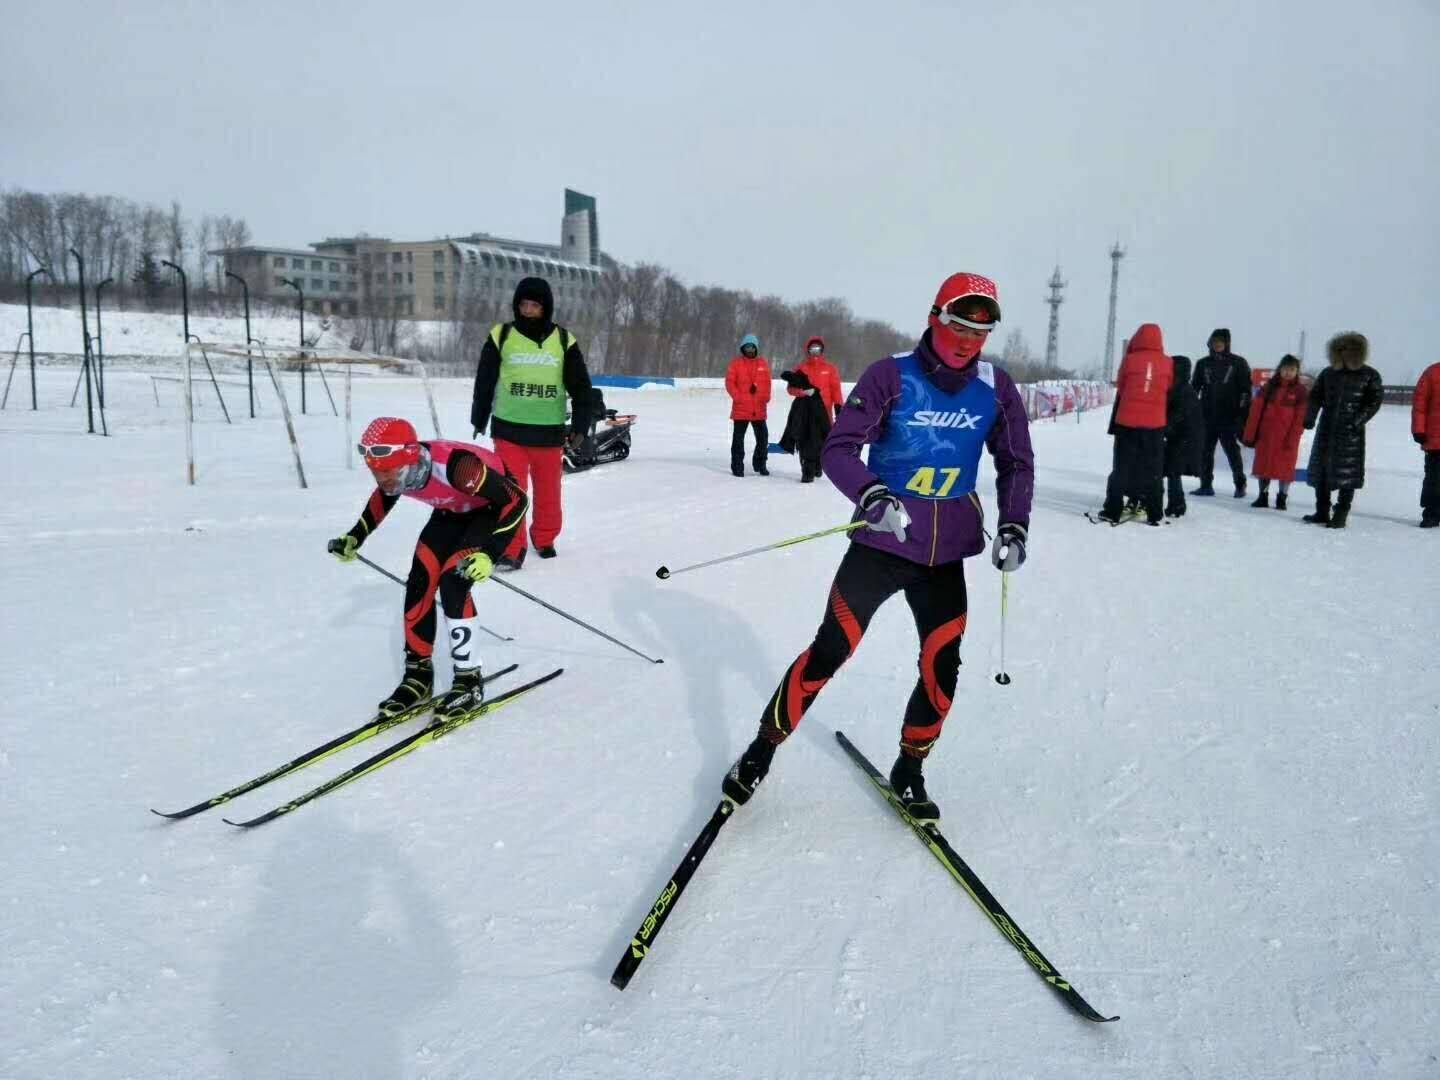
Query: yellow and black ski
(932,838)
(428,734)
(368,730)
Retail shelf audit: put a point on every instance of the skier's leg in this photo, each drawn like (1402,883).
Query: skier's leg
(865,580)
(420,587)
(939,607)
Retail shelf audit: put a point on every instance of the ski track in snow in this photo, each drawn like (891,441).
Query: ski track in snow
(1208,796)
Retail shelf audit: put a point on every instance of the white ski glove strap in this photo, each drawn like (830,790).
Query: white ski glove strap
(1008,550)
(883,511)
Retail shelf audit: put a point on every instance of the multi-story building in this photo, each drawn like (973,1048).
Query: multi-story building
(329,282)
(432,279)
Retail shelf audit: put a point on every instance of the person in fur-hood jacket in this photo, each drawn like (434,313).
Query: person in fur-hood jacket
(1343,400)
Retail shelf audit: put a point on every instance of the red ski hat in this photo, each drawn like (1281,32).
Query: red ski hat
(965,286)
(389,444)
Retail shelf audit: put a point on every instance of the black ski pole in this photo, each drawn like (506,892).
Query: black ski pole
(572,618)
(381,570)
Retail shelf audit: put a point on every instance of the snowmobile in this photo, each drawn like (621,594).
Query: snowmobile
(610,443)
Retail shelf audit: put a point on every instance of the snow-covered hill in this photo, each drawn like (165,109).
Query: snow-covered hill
(1209,795)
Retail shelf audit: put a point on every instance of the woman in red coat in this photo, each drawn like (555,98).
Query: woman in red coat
(1277,416)
(823,375)
(1425,427)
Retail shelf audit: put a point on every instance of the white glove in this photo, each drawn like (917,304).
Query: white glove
(1008,550)
(883,511)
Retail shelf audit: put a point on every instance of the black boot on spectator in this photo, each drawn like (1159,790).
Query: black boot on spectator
(1262,501)
(1280,501)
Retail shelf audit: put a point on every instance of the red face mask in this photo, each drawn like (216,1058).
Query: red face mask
(955,350)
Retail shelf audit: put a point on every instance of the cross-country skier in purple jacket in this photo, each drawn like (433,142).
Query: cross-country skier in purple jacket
(927,416)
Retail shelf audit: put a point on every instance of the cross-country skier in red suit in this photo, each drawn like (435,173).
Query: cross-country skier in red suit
(475,508)
(927,416)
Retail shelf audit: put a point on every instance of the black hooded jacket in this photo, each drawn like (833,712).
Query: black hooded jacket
(1184,425)
(1223,382)
(487,373)
(1343,400)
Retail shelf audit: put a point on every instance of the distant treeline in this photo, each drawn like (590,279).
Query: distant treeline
(118,238)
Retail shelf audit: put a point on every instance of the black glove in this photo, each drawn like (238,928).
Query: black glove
(1420,438)
(1008,551)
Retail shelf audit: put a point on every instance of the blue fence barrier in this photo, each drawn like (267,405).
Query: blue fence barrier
(631,382)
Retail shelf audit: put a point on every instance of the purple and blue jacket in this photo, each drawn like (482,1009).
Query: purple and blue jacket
(946,529)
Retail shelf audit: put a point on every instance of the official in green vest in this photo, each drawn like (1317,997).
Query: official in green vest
(527,368)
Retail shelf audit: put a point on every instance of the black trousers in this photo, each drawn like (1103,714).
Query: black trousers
(737,443)
(1226,437)
(865,580)
(1430,489)
(1175,492)
(443,540)
(1139,457)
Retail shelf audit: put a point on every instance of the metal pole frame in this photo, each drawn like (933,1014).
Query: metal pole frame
(85,364)
(30,330)
(301,290)
(100,344)
(249,362)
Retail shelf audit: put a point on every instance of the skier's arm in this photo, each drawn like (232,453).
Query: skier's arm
(470,474)
(375,510)
(577,385)
(487,374)
(860,422)
(1009,444)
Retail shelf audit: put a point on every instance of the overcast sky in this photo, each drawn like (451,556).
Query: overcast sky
(1269,165)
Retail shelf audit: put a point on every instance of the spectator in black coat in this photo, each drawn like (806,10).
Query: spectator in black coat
(806,426)
(1223,381)
(1184,437)
(1344,399)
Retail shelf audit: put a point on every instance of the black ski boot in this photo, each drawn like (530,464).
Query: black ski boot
(506,564)
(745,775)
(909,786)
(546,552)
(414,688)
(466,694)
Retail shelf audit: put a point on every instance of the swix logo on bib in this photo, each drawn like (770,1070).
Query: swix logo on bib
(932,442)
(961,419)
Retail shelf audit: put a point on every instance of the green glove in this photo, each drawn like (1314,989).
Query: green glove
(476,566)
(343,547)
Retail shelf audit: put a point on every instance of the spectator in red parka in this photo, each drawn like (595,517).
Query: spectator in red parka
(1142,389)
(748,384)
(823,375)
(1425,427)
(1272,430)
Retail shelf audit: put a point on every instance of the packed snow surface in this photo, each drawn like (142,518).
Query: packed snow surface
(1209,795)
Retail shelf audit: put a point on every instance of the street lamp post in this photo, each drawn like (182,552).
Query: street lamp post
(30,330)
(249,364)
(100,343)
(184,297)
(296,286)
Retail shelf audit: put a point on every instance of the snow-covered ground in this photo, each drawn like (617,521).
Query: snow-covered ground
(1209,795)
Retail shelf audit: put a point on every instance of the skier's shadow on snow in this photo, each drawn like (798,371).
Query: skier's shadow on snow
(710,644)
(342,950)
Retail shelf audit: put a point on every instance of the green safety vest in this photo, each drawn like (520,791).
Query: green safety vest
(531,387)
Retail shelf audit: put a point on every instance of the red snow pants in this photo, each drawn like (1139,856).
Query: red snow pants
(537,469)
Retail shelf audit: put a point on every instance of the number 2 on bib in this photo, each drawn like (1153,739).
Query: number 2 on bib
(923,482)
